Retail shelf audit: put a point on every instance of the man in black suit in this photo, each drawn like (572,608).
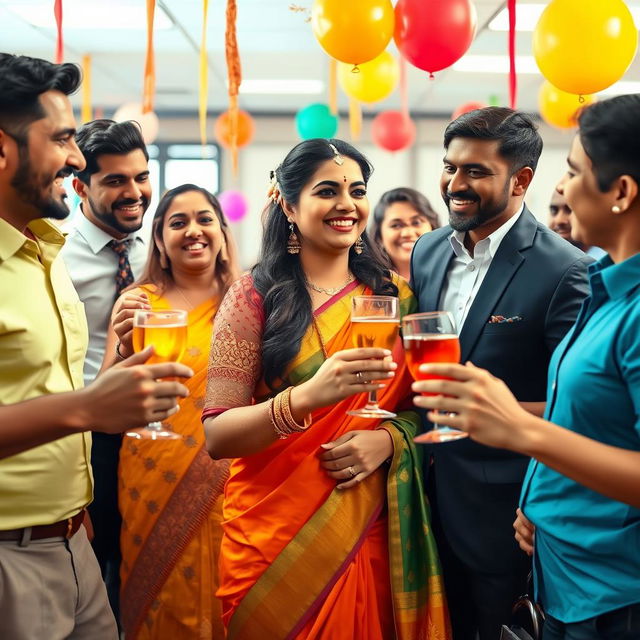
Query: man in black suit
(514,288)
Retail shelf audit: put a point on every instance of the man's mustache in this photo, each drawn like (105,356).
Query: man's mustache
(65,172)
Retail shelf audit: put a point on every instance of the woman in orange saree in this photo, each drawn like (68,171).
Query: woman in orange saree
(326,532)
(170,491)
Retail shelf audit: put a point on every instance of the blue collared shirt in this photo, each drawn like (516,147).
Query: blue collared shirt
(587,546)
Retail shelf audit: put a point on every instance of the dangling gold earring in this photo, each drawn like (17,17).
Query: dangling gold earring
(164,262)
(359,245)
(293,243)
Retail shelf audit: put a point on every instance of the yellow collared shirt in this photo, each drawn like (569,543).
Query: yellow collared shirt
(43,340)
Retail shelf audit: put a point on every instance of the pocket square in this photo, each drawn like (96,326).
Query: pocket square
(502,319)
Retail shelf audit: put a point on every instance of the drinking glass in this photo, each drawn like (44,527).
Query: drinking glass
(167,332)
(375,322)
(431,337)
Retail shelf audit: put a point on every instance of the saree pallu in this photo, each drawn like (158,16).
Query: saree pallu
(302,559)
(170,497)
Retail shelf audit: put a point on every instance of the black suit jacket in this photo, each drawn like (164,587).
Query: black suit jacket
(541,278)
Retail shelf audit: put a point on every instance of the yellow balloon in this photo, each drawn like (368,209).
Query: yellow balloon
(374,81)
(353,31)
(559,108)
(584,46)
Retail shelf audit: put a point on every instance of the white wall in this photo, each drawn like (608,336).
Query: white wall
(419,167)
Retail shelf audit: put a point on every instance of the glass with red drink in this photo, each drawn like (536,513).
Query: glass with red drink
(428,338)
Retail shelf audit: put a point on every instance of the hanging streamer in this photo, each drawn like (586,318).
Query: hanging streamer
(86,114)
(57,12)
(149,85)
(513,79)
(333,86)
(204,77)
(355,119)
(234,73)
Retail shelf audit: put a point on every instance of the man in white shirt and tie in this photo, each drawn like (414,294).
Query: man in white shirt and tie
(104,252)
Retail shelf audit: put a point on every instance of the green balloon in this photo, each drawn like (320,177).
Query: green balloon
(316,121)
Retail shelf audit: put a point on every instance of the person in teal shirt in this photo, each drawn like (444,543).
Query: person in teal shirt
(580,504)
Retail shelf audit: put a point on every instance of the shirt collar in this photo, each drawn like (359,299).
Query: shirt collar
(12,240)
(456,239)
(617,279)
(96,238)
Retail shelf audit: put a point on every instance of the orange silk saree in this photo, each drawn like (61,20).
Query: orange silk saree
(301,559)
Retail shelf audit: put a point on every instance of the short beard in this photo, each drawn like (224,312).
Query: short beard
(25,183)
(464,223)
(108,218)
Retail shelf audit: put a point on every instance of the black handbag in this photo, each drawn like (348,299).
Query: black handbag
(527,619)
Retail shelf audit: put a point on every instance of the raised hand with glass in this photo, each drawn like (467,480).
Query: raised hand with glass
(428,338)
(166,331)
(375,322)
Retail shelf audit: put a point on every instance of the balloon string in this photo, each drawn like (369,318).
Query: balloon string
(149,82)
(204,78)
(513,79)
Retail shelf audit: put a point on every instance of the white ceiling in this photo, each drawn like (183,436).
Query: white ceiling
(275,42)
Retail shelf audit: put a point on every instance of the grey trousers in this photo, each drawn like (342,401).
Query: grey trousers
(52,588)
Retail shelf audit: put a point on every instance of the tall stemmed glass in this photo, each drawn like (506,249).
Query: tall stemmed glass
(167,332)
(375,322)
(431,337)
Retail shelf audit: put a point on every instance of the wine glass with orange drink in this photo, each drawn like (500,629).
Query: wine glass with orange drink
(431,337)
(167,332)
(375,322)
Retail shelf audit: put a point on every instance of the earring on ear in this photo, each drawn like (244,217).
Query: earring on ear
(615,209)
(293,243)
(359,245)
(164,261)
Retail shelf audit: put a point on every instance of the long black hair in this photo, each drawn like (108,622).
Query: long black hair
(278,276)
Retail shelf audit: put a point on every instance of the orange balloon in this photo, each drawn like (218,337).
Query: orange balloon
(559,108)
(222,129)
(353,31)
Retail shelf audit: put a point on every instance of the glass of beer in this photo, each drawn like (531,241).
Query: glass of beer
(167,332)
(375,322)
(431,337)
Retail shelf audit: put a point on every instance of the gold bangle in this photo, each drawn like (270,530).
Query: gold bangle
(288,416)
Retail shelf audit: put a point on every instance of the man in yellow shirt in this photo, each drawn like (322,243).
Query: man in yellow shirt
(50,583)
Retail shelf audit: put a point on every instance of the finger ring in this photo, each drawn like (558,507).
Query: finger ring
(360,377)
(352,472)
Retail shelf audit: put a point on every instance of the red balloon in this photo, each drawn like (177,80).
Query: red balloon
(466,107)
(433,34)
(393,130)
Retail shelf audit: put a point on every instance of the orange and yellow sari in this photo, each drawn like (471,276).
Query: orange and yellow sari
(299,558)
(170,496)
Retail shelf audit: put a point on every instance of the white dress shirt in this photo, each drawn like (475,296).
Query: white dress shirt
(92,266)
(466,273)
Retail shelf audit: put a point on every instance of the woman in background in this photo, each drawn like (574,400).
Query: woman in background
(326,533)
(401,216)
(170,491)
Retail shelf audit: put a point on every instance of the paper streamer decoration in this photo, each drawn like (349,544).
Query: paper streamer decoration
(234,73)
(57,12)
(204,77)
(86,114)
(149,84)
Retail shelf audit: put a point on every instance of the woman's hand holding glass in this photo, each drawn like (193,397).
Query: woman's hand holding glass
(472,400)
(343,374)
(122,319)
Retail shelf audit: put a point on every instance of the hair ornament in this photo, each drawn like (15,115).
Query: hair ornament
(273,192)
(337,158)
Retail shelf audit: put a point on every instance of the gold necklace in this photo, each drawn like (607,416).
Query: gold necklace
(184,297)
(332,291)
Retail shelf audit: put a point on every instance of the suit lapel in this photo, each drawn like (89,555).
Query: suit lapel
(440,259)
(502,269)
